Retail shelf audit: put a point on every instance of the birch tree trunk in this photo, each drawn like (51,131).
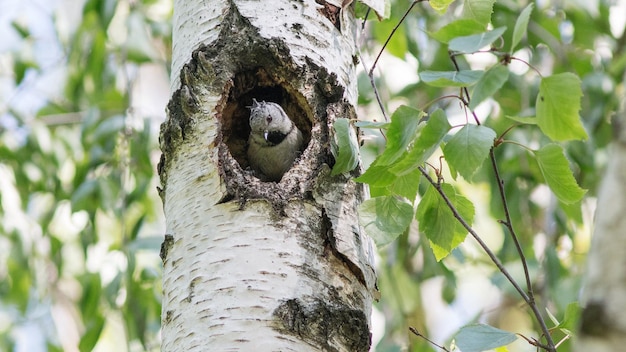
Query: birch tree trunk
(603,322)
(251,265)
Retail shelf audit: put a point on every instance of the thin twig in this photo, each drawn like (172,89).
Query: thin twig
(406,13)
(419,334)
(370,72)
(509,224)
(530,300)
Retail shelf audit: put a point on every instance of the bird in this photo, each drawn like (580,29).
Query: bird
(274,142)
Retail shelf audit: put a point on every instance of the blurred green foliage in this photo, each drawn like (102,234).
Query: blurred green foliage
(80,218)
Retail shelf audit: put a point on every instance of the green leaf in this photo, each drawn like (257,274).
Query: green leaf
(406,185)
(450,78)
(441,6)
(21,29)
(385,218)
(466,151)
(478,10)
(401,132)
(489,84)
(528,120)
(481,337)
(521,25)
(85,196)
(372,124)
(458,28)
(425,144)
(21,67)
(397,45)
(475,42)
(438,223)
(93,330)
(377,175)
(557,107)
(555,169)
(345,147)
(570,318)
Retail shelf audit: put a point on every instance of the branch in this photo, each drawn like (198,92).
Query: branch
(531,303)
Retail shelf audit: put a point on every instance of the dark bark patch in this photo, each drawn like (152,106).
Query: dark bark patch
(331,248)
(594,320)
(168,241)
(332,12)
(328,327)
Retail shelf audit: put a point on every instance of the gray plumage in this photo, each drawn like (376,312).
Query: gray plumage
(274,143)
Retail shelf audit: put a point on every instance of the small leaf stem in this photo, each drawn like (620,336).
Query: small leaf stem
(419,334)
(464,89)
(527,64)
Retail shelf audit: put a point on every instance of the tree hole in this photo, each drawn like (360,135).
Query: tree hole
(260,85)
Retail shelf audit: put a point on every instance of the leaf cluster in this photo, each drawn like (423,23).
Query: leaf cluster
(521,131)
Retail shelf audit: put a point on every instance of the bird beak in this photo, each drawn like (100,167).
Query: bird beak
(265,135)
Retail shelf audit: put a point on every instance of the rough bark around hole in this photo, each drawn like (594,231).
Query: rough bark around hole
(239,69)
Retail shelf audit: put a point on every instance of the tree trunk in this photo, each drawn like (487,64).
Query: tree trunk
(603,323)
(272,266)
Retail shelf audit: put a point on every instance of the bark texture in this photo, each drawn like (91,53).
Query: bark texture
(603,323)
(249,264)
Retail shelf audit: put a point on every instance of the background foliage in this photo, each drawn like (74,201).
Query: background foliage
(80,218)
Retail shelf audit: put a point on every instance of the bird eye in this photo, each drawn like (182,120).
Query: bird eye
(268,119)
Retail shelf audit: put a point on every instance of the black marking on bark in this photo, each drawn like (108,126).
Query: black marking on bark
(168,241)
(329,238)
(594,320)
(191,290)
(323,325)
(168,317)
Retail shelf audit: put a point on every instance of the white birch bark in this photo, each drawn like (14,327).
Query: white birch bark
(603,322)
(251,265)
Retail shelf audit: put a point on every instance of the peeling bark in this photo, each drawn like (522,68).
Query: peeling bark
(251,264)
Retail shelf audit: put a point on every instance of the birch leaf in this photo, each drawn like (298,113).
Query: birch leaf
(555,169)
(558,103)
(385,218)
(438,223)
(521,25)
(345,147)
(450,78)
(475,42)
(466,151)
(481,337)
